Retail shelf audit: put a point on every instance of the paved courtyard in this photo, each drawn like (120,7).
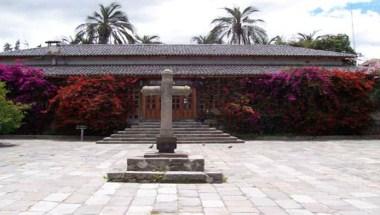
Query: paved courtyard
(272,177)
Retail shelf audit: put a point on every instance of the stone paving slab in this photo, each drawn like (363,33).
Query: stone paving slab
(263,177)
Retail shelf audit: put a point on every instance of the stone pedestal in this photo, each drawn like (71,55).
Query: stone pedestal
(166,177)
(166,144)
(192,164)
(166,168)
(166,155)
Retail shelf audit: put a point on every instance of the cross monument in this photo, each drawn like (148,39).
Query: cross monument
(166,141)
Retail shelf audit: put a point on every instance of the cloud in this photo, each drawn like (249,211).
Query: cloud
(176,21)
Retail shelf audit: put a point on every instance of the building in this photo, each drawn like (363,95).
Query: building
(190,64)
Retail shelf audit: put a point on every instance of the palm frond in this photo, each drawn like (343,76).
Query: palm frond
(249,10)
(107,25)
(238,27)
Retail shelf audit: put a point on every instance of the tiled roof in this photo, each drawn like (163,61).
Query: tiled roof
(177,50)
(149,70)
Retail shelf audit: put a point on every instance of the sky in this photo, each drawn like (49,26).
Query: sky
(35,21)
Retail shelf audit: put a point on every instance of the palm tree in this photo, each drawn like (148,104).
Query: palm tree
(308,36)
(277,40)
(210,38)
(17,45)
(306,40)
(109,25)
(239,27)
(79,39)
(70,40)
(146,39)
(7,47)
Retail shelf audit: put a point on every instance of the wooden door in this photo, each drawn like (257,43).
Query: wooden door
(151,107)
(183,107)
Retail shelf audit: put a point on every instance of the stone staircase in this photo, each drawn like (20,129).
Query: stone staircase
(187,132)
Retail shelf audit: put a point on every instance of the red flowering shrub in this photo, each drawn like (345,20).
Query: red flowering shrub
(312,101)
(354,102)
(27,85)
(375,95)
(101,103)
(240,117)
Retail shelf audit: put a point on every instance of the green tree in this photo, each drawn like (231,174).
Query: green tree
(147,39)
(277,40)
(109,25)
(329,42)
(80,38)
(70,40)
(305,40)
(17,45)
(238,27)
(7,47)
(337,43)
(211,38)
(11,114)
(308,36)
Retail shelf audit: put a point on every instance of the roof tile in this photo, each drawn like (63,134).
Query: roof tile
(177,50)
(154,70)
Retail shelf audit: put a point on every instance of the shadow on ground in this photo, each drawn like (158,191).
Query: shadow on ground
(6,145)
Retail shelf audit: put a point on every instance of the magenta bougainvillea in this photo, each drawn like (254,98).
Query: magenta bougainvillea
(312,101)
(28,85)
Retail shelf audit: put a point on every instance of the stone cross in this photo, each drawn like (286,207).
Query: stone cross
(166,141)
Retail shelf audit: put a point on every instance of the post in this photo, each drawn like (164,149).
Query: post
(166,142)
(81,135)
(81,128)
(166,104)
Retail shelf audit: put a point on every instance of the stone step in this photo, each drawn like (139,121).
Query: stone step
(180,139)
(174,123)
(110,141)
(124,142)
(190,164)
(211,141)
(174,126)
(174,129)
(181,135)
(165,177)
(187,132)
(155,133)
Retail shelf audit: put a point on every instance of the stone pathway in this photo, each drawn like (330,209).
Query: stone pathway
(273,177)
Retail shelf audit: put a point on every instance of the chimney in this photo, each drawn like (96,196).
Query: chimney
(54,47)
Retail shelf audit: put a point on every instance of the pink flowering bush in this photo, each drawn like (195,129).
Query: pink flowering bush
(314,101)
(27,85)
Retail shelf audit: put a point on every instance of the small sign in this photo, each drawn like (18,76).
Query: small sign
(81,127)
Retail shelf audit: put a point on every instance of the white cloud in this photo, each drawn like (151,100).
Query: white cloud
(176,21)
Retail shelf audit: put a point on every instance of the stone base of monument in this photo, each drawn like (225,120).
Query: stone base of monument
(165,168)
(166,144)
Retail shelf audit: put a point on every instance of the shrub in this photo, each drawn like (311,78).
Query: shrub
(11,114)
(27,85)
(314,101)
(240,117)
(101,103)
(375,95)
(354,104)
